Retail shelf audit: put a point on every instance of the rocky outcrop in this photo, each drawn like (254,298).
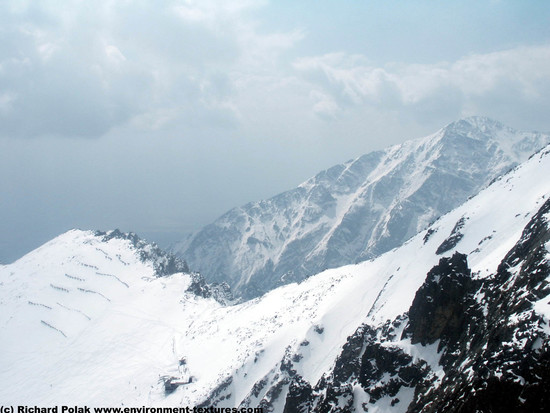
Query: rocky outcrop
(166,264)
(466,344)
(163,262)
(440,308)
(503,354)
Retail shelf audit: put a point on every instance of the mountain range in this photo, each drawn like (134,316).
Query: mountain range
(357,210)
(456,319)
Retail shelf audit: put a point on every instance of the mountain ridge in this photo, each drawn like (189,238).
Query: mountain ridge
(356,210)
(157,344)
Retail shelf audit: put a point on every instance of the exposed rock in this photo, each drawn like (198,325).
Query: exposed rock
(453,239)
(440,308)
(163,262)
(494,352)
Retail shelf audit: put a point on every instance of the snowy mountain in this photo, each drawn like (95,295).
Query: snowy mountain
(456,319)
(357,210)
(83,305)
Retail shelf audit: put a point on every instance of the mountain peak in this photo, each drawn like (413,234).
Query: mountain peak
(453,319)
(479,122)
(477,127)
(359,209)
(87,322)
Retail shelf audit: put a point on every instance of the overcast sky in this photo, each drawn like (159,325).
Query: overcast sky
(158,116)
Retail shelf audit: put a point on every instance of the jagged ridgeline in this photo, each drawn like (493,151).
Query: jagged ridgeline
(165,263)
(492,346)
(357,210)
(454,320)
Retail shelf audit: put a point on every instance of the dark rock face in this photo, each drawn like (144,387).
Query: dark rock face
(501,359)
(379,368)
(298,397)
(439,309)
(493,351)
(453,239)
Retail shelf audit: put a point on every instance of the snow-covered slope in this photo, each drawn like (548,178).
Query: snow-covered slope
(356,210)
(84,310)
(137,339)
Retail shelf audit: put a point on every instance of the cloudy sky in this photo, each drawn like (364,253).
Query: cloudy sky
(158,116)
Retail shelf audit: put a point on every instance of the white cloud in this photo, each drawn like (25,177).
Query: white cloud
(86,68)
(114,55)
(81,69)
(324,106)
(214,11)
(516,77)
